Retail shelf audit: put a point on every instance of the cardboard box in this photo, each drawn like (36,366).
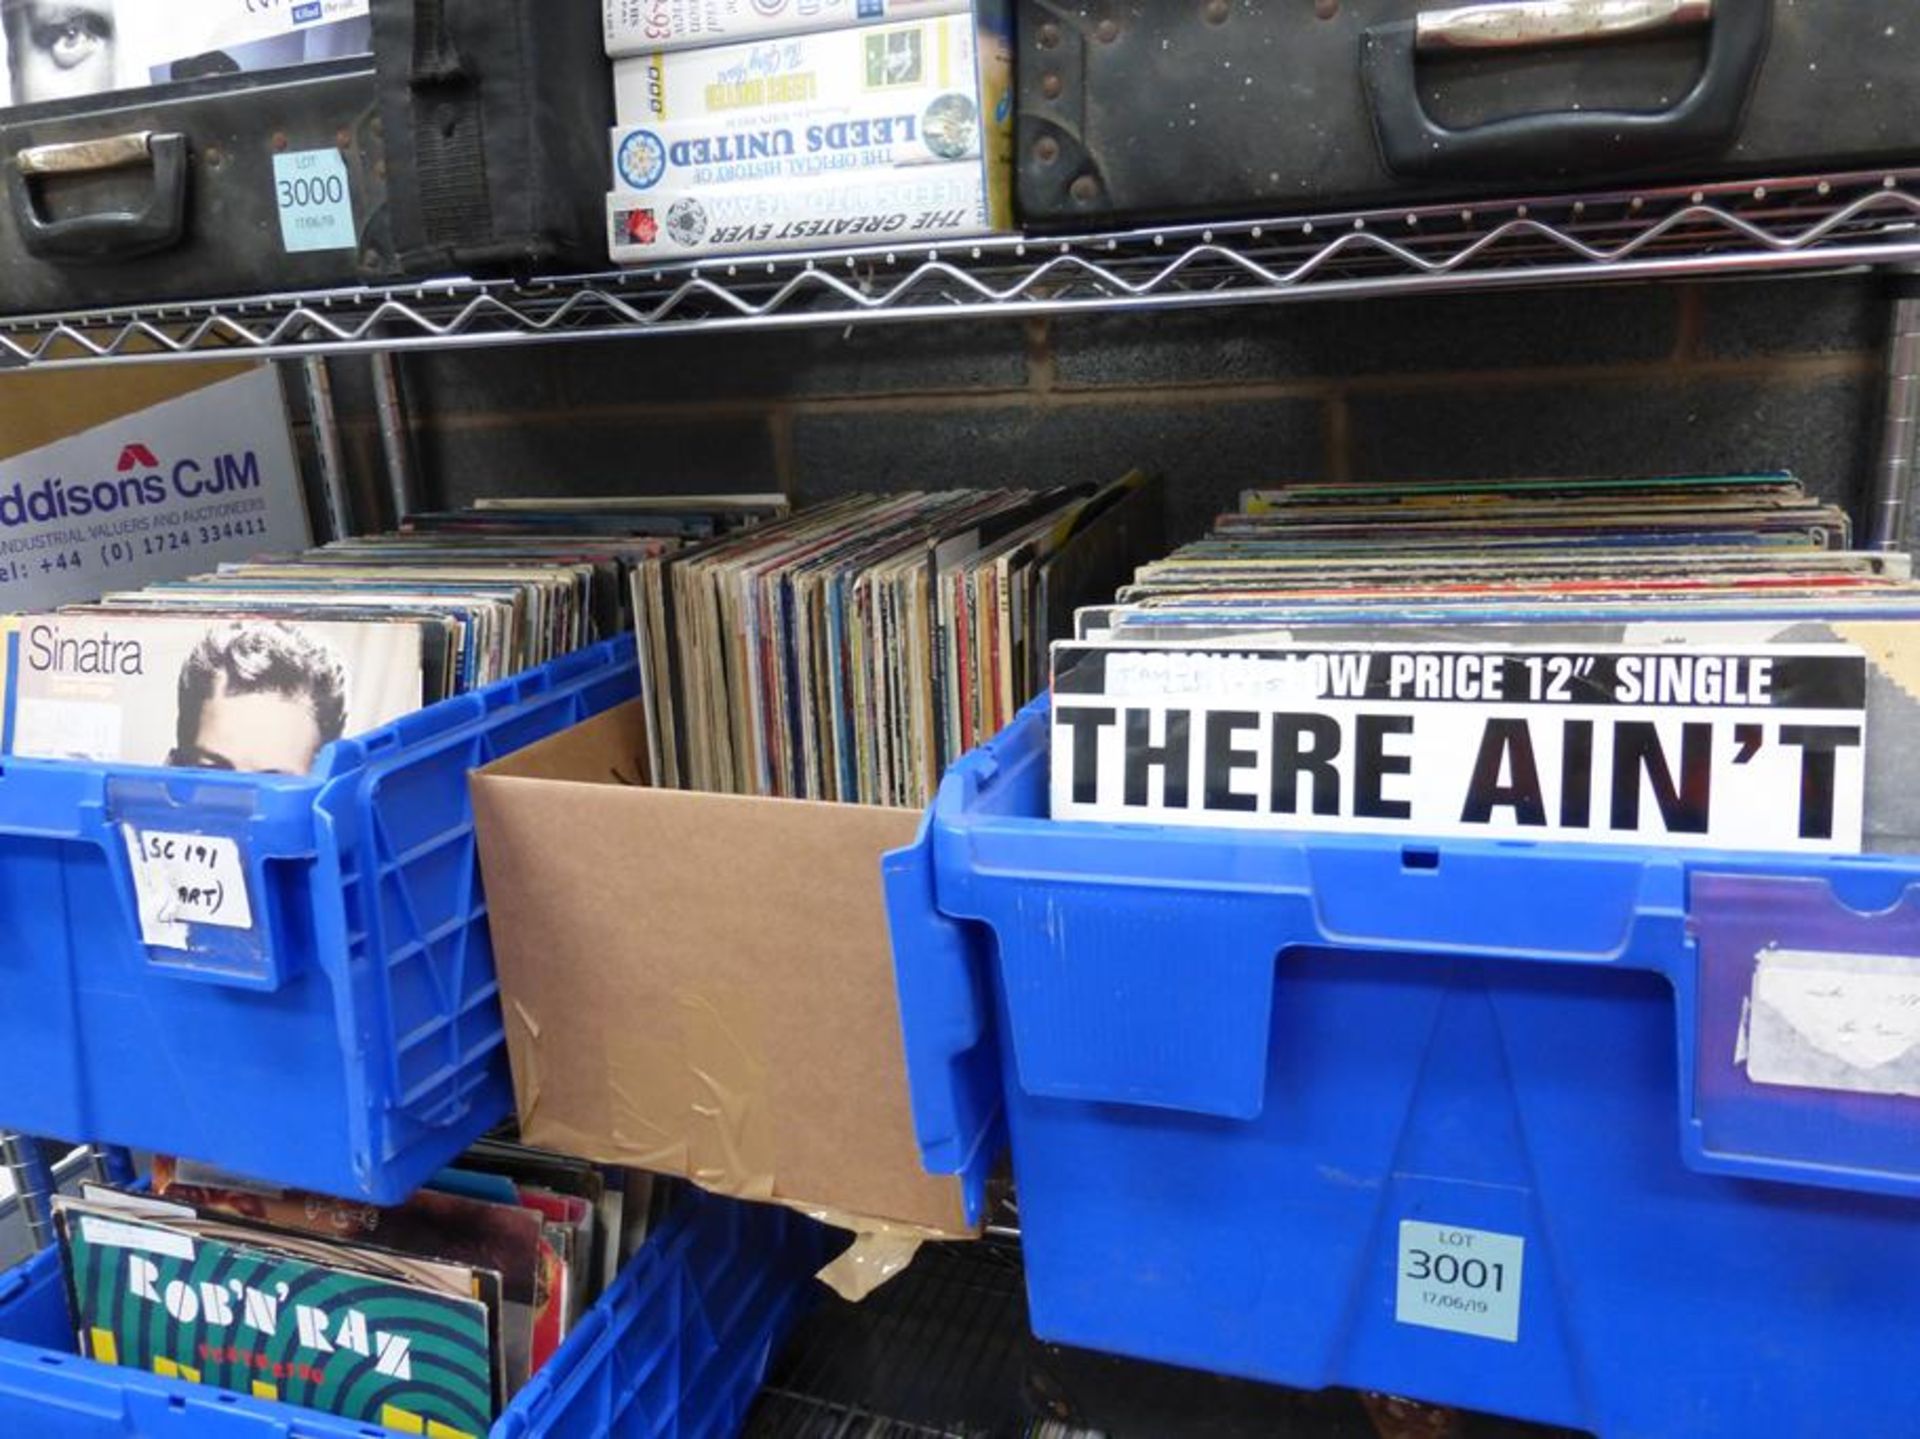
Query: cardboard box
(702,985)
(635,27)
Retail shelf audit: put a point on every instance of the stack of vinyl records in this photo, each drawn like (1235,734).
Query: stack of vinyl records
(1682,662)
(853,651)
(259,666)
(427,1317)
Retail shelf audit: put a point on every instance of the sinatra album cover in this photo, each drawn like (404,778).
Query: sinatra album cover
(207,691)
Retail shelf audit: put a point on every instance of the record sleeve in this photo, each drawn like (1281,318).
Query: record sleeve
(368,1337)
(212,692)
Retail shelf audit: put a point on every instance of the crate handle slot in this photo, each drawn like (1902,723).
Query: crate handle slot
(952,1051)
(109,234)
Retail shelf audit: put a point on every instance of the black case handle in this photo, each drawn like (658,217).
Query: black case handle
(1705,121)
(112,235)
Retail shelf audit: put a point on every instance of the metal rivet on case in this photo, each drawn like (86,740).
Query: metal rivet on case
(1050,85)
(1046,149)
(1086,189)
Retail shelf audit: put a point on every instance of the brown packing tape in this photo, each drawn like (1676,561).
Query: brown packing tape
(734,1115)
(736,1121)
(646,1097)
(643,1141)
(554,1132)
(529,1091)
(874,1259)
(880,1251)
(732,1119)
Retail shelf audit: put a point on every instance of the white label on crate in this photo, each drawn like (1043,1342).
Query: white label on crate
(315,199)
(110,1235)
(1465,1280)
(1734,747)
(186,879)
(1822,1020)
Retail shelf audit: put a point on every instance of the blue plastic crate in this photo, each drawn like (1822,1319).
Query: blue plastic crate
(1268,1094)
(678,1346)
(350,1041)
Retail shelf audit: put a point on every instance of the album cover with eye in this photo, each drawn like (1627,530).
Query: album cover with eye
(71,49)
(207,691)
(66,49)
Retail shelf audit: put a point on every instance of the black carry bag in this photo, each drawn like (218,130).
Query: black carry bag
(497,116)
(1135,111)
(472,141)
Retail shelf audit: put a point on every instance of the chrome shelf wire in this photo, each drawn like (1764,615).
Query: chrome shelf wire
(1816,222)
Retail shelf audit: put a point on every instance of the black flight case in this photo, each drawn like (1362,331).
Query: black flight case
(472,140)
(1140,111)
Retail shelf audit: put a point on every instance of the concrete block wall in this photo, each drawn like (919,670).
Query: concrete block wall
(1702,377)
